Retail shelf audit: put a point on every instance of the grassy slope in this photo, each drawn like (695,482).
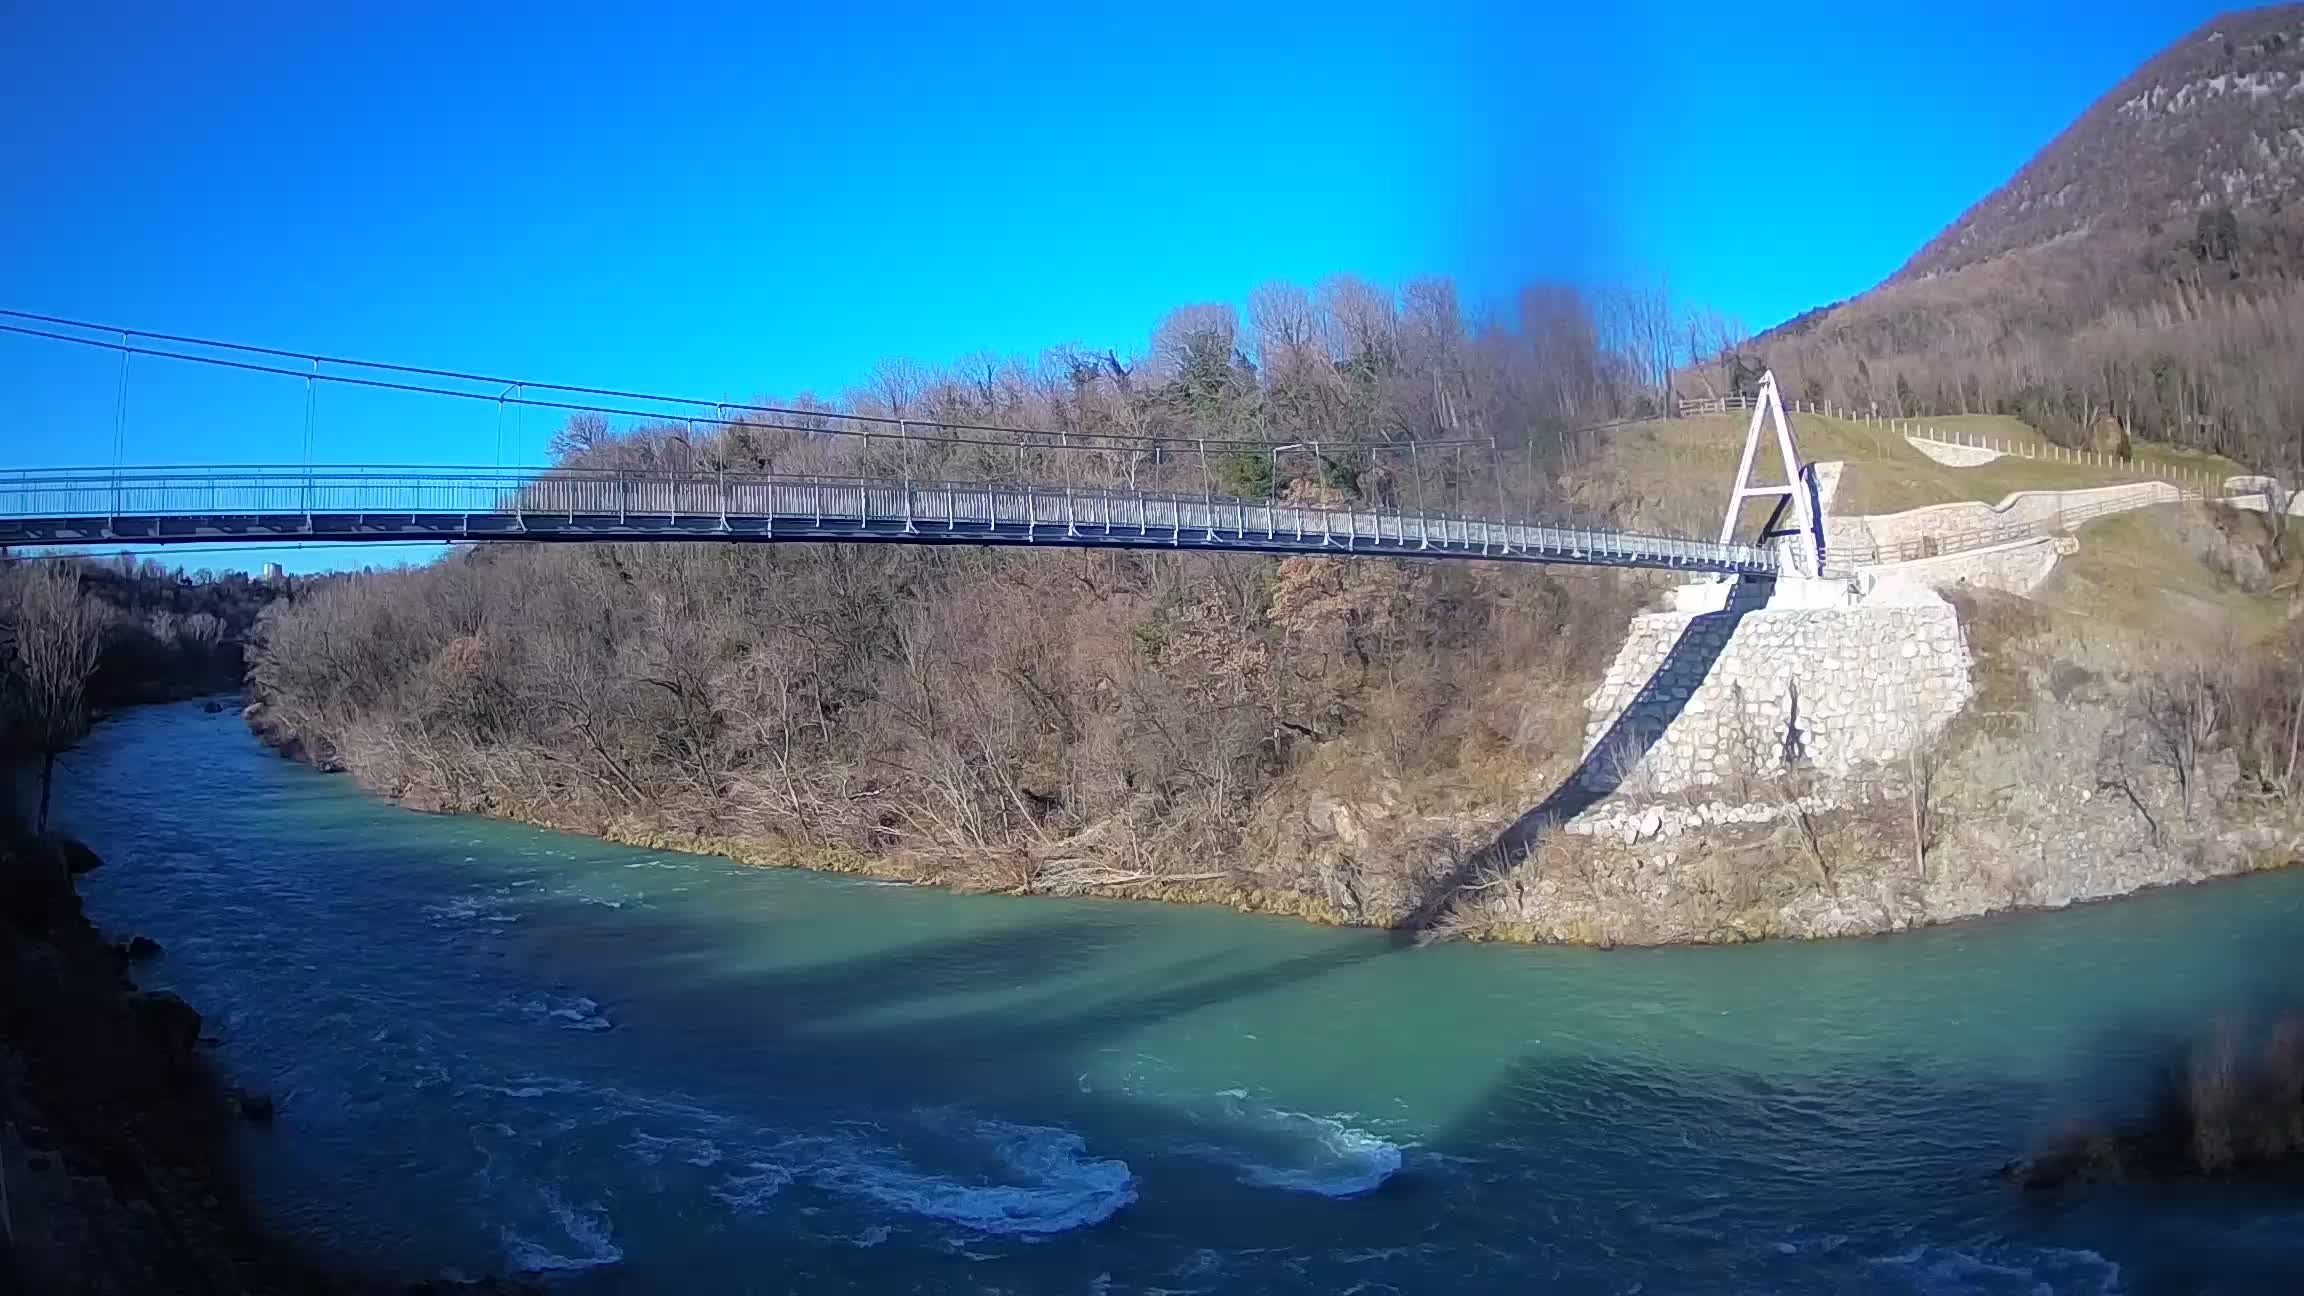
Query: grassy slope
(1892,475)
(1680,468)
(2144,578)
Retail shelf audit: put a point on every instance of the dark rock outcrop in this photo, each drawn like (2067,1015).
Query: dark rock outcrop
(36,893)
(113,1130)
(167,1024)
(78,859)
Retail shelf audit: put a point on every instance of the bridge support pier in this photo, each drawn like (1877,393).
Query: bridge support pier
(1747,691)
(1796,524)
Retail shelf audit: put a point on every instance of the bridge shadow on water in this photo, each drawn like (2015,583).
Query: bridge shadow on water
(980,1010)
(1638,727)
(1725,1173)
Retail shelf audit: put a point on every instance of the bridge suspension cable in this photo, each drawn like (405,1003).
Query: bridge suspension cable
(502,390)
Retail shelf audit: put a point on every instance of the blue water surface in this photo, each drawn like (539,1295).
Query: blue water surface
(497,1048)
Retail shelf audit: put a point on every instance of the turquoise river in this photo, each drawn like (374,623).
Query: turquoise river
(498,1049)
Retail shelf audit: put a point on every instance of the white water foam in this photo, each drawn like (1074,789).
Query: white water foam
(477,906)
(528,1086)
(1015,1180)
(651,1149)
(2028,1271)
(1355,1162)
(574,1012)
(1316,1154)
(1054,1186)
(589,1240)
(750,1192)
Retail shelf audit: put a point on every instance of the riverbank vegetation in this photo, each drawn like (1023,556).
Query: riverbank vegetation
(1343,740)
(78,637)
(2228,1103)
(115,1170)
(1119,722)
(1044,722)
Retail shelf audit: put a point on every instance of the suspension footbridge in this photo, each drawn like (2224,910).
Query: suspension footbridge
(902,498)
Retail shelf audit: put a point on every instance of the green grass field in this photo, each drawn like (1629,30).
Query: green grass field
(1884,475)
(2146,576)
(2142,584)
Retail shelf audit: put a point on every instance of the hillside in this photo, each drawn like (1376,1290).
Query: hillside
(2215,120)
(2145,268)
(1659,473)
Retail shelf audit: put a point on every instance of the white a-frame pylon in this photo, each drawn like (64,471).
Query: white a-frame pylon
(1797,492)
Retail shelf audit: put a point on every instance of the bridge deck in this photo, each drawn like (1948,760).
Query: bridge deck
(274,505)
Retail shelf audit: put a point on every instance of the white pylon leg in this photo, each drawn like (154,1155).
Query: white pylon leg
(1807,534)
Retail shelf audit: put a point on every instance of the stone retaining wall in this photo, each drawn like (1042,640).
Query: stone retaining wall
(1720,699)
(2022,508)
(2019,567)
(2256,494)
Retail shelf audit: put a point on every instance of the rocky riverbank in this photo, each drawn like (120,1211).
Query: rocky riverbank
(115,1162)
(2008,822)
(1444,749)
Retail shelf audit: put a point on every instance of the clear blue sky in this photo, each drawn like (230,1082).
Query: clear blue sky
(767,199)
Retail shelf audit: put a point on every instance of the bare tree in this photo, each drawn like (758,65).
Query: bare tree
(2182,716)
(1638,329)
(56,633)
(2116,772)
(2278,499)
(1361,322)
(1284,322)
(1921,764)
(580,435)
(896,389)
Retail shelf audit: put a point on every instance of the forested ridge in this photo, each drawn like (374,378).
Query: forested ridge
(2145,269)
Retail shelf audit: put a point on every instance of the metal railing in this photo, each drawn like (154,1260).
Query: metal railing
(1691,406)
(264,503)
